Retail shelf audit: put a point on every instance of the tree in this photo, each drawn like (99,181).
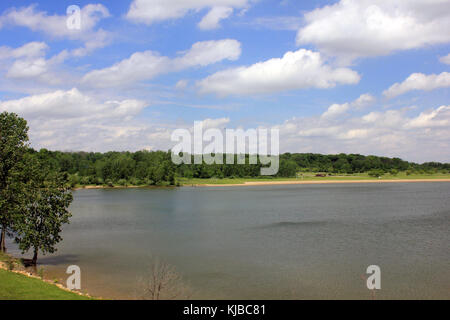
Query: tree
(13,145)
(288,168)
(163,282)
(47,199)
(376,173)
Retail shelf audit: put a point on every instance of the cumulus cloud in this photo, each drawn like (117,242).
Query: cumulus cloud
(439,117)
(295,70)
(151,11)
(25,61)
(218,123)
(208,52)
(363,101)
(359,28)
(212,19)
(27,68)
(395,133)
(148,64)
(72,120)
(335,110)
(445,59)
(55,26)
(338,109)
(70,104)
(28,50)
(419,81)
(29,62)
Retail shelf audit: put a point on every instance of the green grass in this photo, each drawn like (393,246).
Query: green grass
(310,176)
(15,286)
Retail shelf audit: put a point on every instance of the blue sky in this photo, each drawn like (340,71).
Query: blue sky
(368,77)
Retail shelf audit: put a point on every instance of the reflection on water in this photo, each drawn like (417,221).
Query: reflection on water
(279,242)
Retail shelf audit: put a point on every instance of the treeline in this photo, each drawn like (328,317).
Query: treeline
(157,168)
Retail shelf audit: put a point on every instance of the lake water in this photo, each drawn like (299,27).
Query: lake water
(263,242)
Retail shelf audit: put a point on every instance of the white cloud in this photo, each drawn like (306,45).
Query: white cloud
(394,133)
(419,81)
(445,59)
(148,64)
(295,70)
(55,26)
(439,117)
(29,62)
(151,11)
(215,123)
(29,50)
(208,52)
(335,110)
(181,84)
(140,66)
(338,109)
(26,61)
(363,101)
(358,28)
(27,68)
(72,120)
(70,104)
(212,19)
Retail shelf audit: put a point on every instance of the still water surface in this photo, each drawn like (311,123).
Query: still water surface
(263,242)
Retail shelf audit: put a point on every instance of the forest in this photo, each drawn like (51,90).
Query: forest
(156,167)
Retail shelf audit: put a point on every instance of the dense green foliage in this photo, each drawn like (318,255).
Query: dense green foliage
(156,167)
(13,145)
(45,208)
(34,196)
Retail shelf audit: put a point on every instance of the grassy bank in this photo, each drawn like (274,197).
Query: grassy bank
(311,176)
(14,286)
(17,286)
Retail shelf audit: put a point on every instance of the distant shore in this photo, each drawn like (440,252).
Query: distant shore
(243,183)
(271,183)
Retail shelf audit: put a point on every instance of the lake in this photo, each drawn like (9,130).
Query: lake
(263,242)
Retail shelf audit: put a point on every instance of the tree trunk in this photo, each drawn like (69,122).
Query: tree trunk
(34,261)
(2,240)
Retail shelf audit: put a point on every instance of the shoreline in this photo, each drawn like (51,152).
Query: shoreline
(268,183)
(271,183)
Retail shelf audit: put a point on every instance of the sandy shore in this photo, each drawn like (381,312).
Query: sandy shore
(272,183)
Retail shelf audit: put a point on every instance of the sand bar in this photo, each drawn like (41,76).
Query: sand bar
(272,183)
